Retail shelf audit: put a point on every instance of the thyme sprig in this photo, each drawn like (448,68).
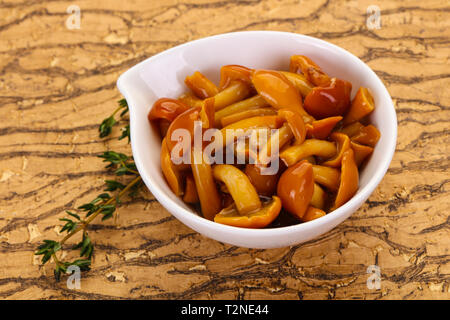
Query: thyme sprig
(107,124)
(104,205)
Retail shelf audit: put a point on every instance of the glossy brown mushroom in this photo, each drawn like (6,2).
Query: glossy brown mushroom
(349,179)
(257,219)
(201,86)
(332,100)
(296,188)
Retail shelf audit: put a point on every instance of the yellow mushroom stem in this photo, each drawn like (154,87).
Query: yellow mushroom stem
(299,81)
(235,117)
(319,196)
(239,186)
(254,102)
(237,91)
(310,147)
(327,177)
(208,195)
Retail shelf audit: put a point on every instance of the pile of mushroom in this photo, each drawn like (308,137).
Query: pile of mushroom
(323,137)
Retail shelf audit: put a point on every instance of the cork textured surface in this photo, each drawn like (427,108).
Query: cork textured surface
(57,84)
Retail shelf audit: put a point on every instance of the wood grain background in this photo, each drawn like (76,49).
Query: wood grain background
(56,85)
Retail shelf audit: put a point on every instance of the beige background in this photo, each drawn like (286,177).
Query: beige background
(56,85)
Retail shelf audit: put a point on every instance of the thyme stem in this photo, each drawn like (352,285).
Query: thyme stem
(130,170)
(117,110)
(96,213)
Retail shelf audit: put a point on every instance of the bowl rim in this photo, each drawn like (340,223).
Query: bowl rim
(338,215)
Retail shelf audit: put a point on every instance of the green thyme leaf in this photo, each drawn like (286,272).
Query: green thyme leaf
(113,185)
(122,171)
(125,133)
(123,104)
(106,126)
(85,245)
(73,215)
(107,211)
(47,249)
(93,206)
(114,158)
(83,264)
(69,226)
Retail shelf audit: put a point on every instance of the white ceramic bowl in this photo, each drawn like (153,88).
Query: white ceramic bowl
(163,76)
